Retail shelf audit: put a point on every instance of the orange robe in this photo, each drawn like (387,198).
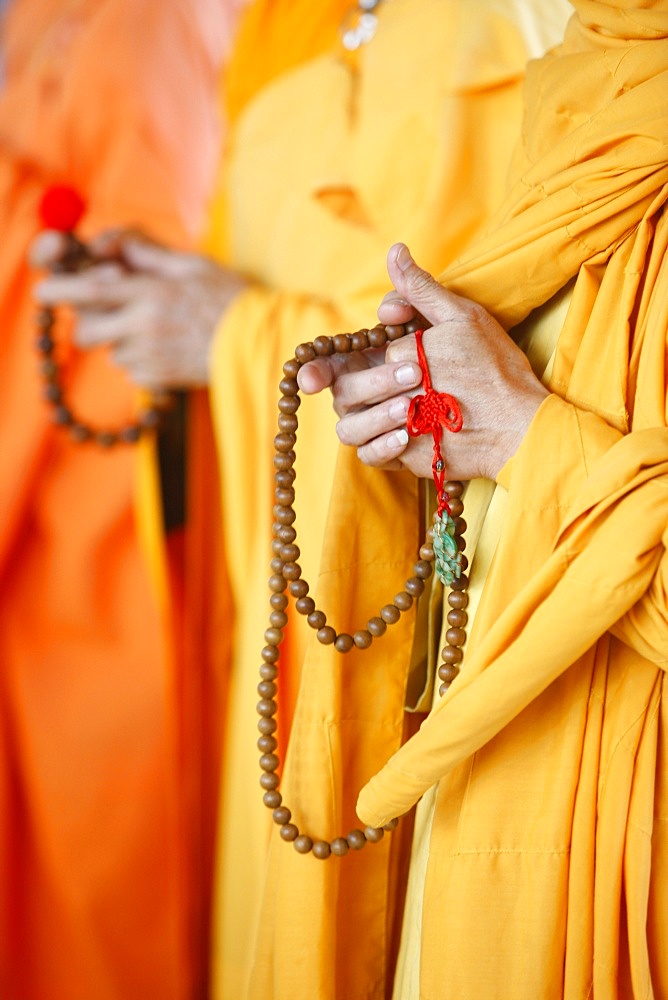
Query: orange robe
(100,807)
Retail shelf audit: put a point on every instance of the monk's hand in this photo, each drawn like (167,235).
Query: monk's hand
(154,307)
(470,356)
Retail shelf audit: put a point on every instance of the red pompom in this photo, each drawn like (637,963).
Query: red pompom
(61,208)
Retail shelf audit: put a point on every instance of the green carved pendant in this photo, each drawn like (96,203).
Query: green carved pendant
(447,557)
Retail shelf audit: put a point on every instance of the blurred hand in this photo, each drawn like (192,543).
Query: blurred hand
(469,356)
(156,308)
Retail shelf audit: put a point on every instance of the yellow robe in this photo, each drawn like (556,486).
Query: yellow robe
(548,858)
(367,152)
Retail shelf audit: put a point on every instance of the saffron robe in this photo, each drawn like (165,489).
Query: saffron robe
(101,885)
(547,857)
(369,151)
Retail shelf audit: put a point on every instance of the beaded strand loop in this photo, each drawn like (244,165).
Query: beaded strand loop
(287,576)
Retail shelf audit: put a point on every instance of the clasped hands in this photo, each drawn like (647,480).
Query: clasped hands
(470,356)
(154,307)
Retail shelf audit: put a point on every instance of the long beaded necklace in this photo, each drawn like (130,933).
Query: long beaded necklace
(61,208)
(443,550)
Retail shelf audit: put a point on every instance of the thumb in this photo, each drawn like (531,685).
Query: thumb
(418,287)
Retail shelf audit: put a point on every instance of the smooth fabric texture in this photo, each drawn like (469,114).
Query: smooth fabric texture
(547,863)
(100,799)
(368,151)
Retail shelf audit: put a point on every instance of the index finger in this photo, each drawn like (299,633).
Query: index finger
(323,372)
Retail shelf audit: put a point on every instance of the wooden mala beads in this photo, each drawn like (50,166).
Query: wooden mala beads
(447,556)
(61,208)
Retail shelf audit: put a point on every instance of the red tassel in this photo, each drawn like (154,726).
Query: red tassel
(61,208)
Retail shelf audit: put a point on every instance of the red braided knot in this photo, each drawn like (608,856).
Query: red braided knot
(427,414)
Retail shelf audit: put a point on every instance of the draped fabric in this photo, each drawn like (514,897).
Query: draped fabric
(100,800)
(369,150)
(547,856)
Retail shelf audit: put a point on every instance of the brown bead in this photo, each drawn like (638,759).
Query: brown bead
(303,844)
(447,672)
(281,816)
(270,654)
(453,487)
(62,416)
(291,368)
(416,324)
(272,636)
(49,369)
(443,688)
(458,599)
(456,506)
(285,515)
(427,552)
(79,433)
(277,565)
(342,344)
(305,353)
(376,626)
(414,586)
(284,442)
(288,422)
(276,582)
(461,583)
(423,569)
(390,614)
(266,744)
(356,840)
(106,439)
(305,605)
(392,825)
(268,671)
(452,654)
(276,546)
(374,833)
(377,336)
(298,588)
(362,638)
(359,341)
(323,346)
(269,762)
(321,850)
(267,726)
(284,460)
(289,387)
(130,434)
(292,571)
(343,643)
(285,477)
(284,497)
(326,635)
(266,706)
(460,525)
(285,532)
(403,601)
(272,800)
(53,393)
(289,404)
(289,832)
(395,331)
(269,780)
(456,636)
(279,602)
(45,318)
(317,619)
(463,561)
(339,846)
(457,619)
(267,689)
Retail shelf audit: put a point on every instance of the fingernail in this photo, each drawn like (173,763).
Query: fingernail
(405,375)
(404,259)
(398,409)
(397,440)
